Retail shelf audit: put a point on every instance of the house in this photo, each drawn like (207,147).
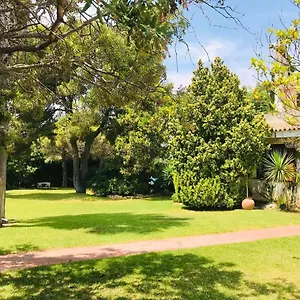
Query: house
(285,127)
(285,124)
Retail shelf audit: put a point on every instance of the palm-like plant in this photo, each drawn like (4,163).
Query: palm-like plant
(279,167)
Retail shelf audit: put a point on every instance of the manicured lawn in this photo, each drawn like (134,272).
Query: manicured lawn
(267,269)
(60,218)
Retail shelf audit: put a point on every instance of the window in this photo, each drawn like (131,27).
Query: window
(298,100)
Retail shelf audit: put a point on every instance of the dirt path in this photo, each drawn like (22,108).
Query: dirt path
(50,257)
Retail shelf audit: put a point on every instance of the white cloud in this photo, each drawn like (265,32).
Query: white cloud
(193,52)
(183,79)
(180,79)
(247,76)
(185,58)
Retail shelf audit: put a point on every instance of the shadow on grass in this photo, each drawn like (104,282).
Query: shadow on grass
(19,248)
(151,276)
(107,223)
(279,287)
(51,196)
(158,198)
(48,195)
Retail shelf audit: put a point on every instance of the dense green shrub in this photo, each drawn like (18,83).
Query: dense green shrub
(216,137)
(112,182)
(206,192)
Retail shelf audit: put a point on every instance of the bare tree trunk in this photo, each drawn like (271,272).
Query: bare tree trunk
(76,168)
(3,159)
(80,165)
(84,166)
(64,170)
(78,181)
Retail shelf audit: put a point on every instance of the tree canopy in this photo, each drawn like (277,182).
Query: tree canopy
(281,74)
(216,137)
(38,37)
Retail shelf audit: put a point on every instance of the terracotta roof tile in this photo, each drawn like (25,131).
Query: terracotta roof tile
(279,123)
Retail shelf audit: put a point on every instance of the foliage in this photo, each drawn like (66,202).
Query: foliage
(29,115)
(40,36)
(121,76)
(216,138)
(151,24)
(140,143)
(25,27)
(262,99)
(52,149)
(280,174)
(279,167)
(168,174)
(281,75)
(21,169)
(206,193)
(107,182)
(139,150)
(113,177)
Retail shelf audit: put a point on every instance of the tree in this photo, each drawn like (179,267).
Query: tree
(115,74)
(40,27)
(262,99)
(141,142)
(216,139)
(25,113)
(139,149)
(281,75)
(5,94)
(56,150)
(32,26)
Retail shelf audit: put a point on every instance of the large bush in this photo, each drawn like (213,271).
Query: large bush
(107,182)
(216,137)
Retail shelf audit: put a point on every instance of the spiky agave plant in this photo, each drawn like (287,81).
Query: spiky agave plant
(279,167)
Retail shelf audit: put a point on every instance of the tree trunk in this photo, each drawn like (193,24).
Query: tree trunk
(80,167)
(84,165)
(3,163)
(78,185)
(3,159)
(64,170)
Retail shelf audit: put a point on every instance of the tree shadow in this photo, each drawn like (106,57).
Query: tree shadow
(50,196)
(280,287)
(150,276)
(19,248)
(107,223)
(158,198)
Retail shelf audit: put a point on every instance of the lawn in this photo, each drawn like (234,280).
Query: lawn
(59,218)
(266,269)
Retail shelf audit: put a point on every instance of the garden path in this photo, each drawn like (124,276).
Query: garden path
(57,256)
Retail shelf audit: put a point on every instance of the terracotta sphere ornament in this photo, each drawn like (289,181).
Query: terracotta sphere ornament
(248,203)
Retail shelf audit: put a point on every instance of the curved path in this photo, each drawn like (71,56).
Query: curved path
(50,257)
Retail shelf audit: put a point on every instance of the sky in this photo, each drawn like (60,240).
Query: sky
(235,44)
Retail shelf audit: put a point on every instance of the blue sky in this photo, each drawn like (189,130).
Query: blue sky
(221,37)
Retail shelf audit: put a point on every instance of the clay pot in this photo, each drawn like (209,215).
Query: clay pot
(248,203)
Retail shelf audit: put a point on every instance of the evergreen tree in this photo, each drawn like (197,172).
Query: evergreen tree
(217,137)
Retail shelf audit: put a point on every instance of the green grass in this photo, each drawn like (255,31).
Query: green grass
(266,269)
(60,218)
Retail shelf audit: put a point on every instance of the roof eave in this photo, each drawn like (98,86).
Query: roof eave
(286,134)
